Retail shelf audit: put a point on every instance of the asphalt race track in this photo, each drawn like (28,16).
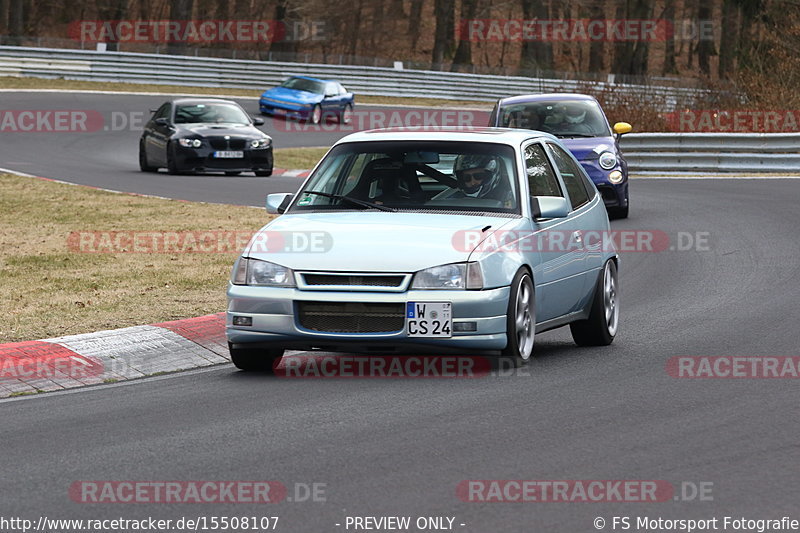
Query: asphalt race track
(106,156)
(400,447)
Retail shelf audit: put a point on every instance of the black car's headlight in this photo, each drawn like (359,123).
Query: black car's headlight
(259,144)
(249,271)
(190,143)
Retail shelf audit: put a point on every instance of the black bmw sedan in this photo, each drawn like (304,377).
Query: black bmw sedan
(204,135)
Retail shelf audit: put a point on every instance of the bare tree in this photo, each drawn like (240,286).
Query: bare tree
(463,56)
(444,14)
(536,54)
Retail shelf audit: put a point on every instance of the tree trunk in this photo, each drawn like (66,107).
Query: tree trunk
(464,51)
(414,21)
(179,10)
(15,22)
(536,54)
(597,49)
(705,47)
(443,35)
(669,66)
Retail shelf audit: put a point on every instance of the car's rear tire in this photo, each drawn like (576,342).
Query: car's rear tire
(346,116)
(263,173)
(255,359)
(232,173)
(316,115)
(520,320)
(618,212)
(144,166)
(603,322)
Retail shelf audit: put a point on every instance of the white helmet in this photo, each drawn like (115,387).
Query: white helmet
(574,114)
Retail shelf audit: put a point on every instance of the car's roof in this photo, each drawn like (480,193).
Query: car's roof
(312,79)
(195,101)
(511,136)
(525,98)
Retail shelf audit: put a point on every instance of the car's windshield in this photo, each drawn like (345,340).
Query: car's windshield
(463,177)
(210,114)
(562,118)
(303,84)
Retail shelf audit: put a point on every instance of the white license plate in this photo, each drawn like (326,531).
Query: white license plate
(429,319)
(229,154)
(279,111)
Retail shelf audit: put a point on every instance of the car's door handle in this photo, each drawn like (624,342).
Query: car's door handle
(577,236)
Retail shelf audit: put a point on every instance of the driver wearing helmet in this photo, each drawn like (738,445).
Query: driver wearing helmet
(574,119)
(479,176)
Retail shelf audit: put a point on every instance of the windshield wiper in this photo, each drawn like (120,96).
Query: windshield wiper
(572,135)
(355,201)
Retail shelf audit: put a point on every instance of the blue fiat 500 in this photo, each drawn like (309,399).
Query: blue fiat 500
(428,241)
(579,121)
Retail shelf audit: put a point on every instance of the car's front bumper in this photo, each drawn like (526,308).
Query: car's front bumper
(614,194)
(202,160)
(276,323)
(285,109)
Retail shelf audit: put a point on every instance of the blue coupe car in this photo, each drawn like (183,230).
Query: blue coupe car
(436,240)
(309,99)
(579,121)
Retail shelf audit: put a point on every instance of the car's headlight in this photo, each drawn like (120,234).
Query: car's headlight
(454,276)
(257,144)
(607,160)
(249,271)
(190,143)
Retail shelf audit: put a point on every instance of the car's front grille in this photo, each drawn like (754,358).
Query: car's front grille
(351,317)
(219,143)
(608,193)
(353,280)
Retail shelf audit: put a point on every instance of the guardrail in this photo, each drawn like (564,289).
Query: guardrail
(245,74)
(712,152)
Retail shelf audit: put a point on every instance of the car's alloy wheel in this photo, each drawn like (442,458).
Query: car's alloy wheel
(143,165)
(603,323)
(316,115)
(347,115)
(255,359)
(521,320)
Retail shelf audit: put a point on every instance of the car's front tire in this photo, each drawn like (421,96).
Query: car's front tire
(603,322)
(254,359)
(315,117)
(172,166)
(615,213)
(520,320)
(263,173)
(346,116)
(144,166)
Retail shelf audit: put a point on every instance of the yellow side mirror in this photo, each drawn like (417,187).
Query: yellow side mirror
(621,128)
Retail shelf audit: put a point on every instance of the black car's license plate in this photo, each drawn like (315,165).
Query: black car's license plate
(228,154)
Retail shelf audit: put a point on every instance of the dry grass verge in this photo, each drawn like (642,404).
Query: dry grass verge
(51,288)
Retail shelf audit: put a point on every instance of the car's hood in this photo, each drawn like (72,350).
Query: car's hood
(368,241)
(219,130)
(292,95)
(584,148)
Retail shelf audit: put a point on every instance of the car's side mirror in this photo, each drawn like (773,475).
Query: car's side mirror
(331,95)
(258,121)
(549,207)
(278,202)
(621,128)
(162,121)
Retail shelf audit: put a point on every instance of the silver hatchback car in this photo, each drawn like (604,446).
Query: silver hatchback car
(438,241)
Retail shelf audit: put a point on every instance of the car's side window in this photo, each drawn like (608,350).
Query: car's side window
(571,175)
(541,178)
(162,112)
(341,88)
(331,89)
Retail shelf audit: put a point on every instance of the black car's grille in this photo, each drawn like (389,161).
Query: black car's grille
(354,280)
(351,317)
(219,143)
